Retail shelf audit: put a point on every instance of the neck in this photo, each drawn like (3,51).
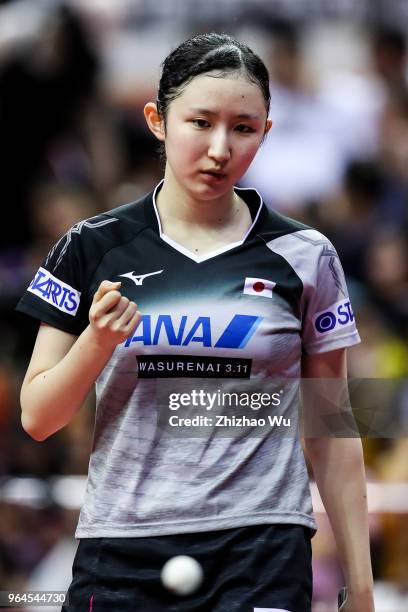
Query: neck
(173,202)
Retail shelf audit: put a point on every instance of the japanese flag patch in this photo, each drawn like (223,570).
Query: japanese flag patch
(260,287)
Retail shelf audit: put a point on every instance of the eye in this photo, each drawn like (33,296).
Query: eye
(200,123)
(245,129)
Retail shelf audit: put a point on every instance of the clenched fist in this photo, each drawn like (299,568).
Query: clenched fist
(113,317)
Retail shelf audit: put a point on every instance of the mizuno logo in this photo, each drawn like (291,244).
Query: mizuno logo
(139,278)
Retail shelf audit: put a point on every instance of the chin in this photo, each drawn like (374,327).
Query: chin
(210,192)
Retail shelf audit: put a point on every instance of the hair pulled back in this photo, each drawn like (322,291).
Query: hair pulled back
(204,53)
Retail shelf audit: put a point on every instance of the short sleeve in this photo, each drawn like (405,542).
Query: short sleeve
(328,321)
(57,294)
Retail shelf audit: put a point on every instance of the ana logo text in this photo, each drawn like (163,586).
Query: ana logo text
(165,331)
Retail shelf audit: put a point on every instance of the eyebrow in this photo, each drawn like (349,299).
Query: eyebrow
(206,111)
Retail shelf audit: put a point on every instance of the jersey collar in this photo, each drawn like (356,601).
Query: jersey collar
(250,196)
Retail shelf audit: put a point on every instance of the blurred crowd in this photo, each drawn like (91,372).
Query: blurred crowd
(73,144)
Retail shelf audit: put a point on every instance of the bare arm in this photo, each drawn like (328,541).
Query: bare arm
(338,467)
(63,368)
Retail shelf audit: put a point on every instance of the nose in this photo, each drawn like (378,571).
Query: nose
(219,148)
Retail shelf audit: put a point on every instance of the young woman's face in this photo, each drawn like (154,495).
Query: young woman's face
(213,131)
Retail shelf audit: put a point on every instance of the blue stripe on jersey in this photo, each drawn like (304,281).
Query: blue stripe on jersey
(238,332)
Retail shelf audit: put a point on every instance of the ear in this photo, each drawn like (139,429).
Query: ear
(154,120)
(268,126)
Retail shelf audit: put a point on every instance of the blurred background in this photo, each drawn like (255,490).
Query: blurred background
(74,77)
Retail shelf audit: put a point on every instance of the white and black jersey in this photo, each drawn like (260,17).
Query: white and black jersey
(244,312)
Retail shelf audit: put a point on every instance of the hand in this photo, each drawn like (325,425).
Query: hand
(358,602)
(113,317)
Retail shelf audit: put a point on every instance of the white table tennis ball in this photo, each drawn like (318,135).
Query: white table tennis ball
(182,575)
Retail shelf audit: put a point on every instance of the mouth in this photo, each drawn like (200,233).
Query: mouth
(216,174)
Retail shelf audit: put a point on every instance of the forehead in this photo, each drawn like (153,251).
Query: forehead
(233,91)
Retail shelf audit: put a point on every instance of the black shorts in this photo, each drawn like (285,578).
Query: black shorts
(246,569)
